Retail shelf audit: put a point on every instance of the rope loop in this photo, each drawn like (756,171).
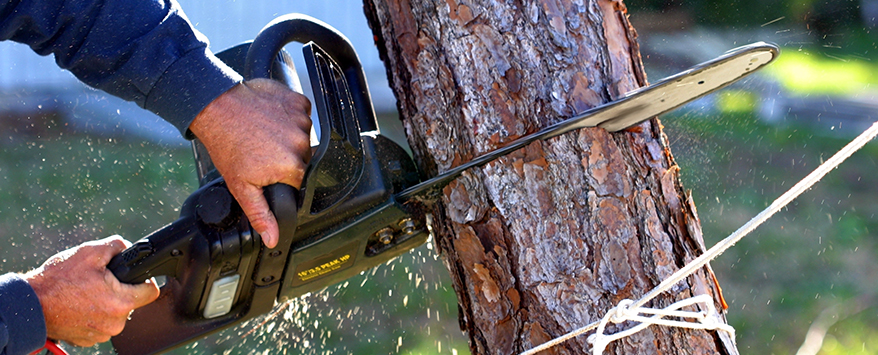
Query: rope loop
(621,312)
(706,318)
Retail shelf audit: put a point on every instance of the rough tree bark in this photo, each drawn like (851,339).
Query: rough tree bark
(549,238)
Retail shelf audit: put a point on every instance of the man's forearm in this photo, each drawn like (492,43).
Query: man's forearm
(144,51)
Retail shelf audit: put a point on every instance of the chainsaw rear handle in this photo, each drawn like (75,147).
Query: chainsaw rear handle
(183,247)
(139,262)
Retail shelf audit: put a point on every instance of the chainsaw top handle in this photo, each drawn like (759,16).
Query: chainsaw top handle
(304,29)
(337,123)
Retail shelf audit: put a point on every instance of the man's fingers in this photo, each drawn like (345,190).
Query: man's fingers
(270,146)
(138,295)
(99,252)
(294,178)
(113,244)
(143,294)
(255,206)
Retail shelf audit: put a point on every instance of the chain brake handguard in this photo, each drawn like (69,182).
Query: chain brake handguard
(344,220)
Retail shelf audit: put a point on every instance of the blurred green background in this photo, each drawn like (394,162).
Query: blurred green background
(810,271)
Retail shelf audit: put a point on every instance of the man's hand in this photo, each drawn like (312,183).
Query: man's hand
(257,134)
(82,301)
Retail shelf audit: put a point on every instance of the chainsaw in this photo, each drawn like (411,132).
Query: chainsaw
(362,201)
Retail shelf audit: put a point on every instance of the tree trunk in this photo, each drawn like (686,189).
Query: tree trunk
(549,238)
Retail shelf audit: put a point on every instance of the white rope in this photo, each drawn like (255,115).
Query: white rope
(706,319)
(730,241)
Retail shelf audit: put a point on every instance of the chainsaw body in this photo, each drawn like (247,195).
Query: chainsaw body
(343,221)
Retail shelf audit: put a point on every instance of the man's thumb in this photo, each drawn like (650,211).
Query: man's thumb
(255,206)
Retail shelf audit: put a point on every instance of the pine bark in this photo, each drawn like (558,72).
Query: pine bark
(549,238)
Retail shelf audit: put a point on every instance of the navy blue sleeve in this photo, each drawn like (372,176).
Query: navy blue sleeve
(144,51)
(22,324)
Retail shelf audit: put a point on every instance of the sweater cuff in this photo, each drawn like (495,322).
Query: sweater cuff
(21,316)
(188,86)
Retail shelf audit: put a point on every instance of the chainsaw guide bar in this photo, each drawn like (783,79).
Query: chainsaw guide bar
(629,110)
